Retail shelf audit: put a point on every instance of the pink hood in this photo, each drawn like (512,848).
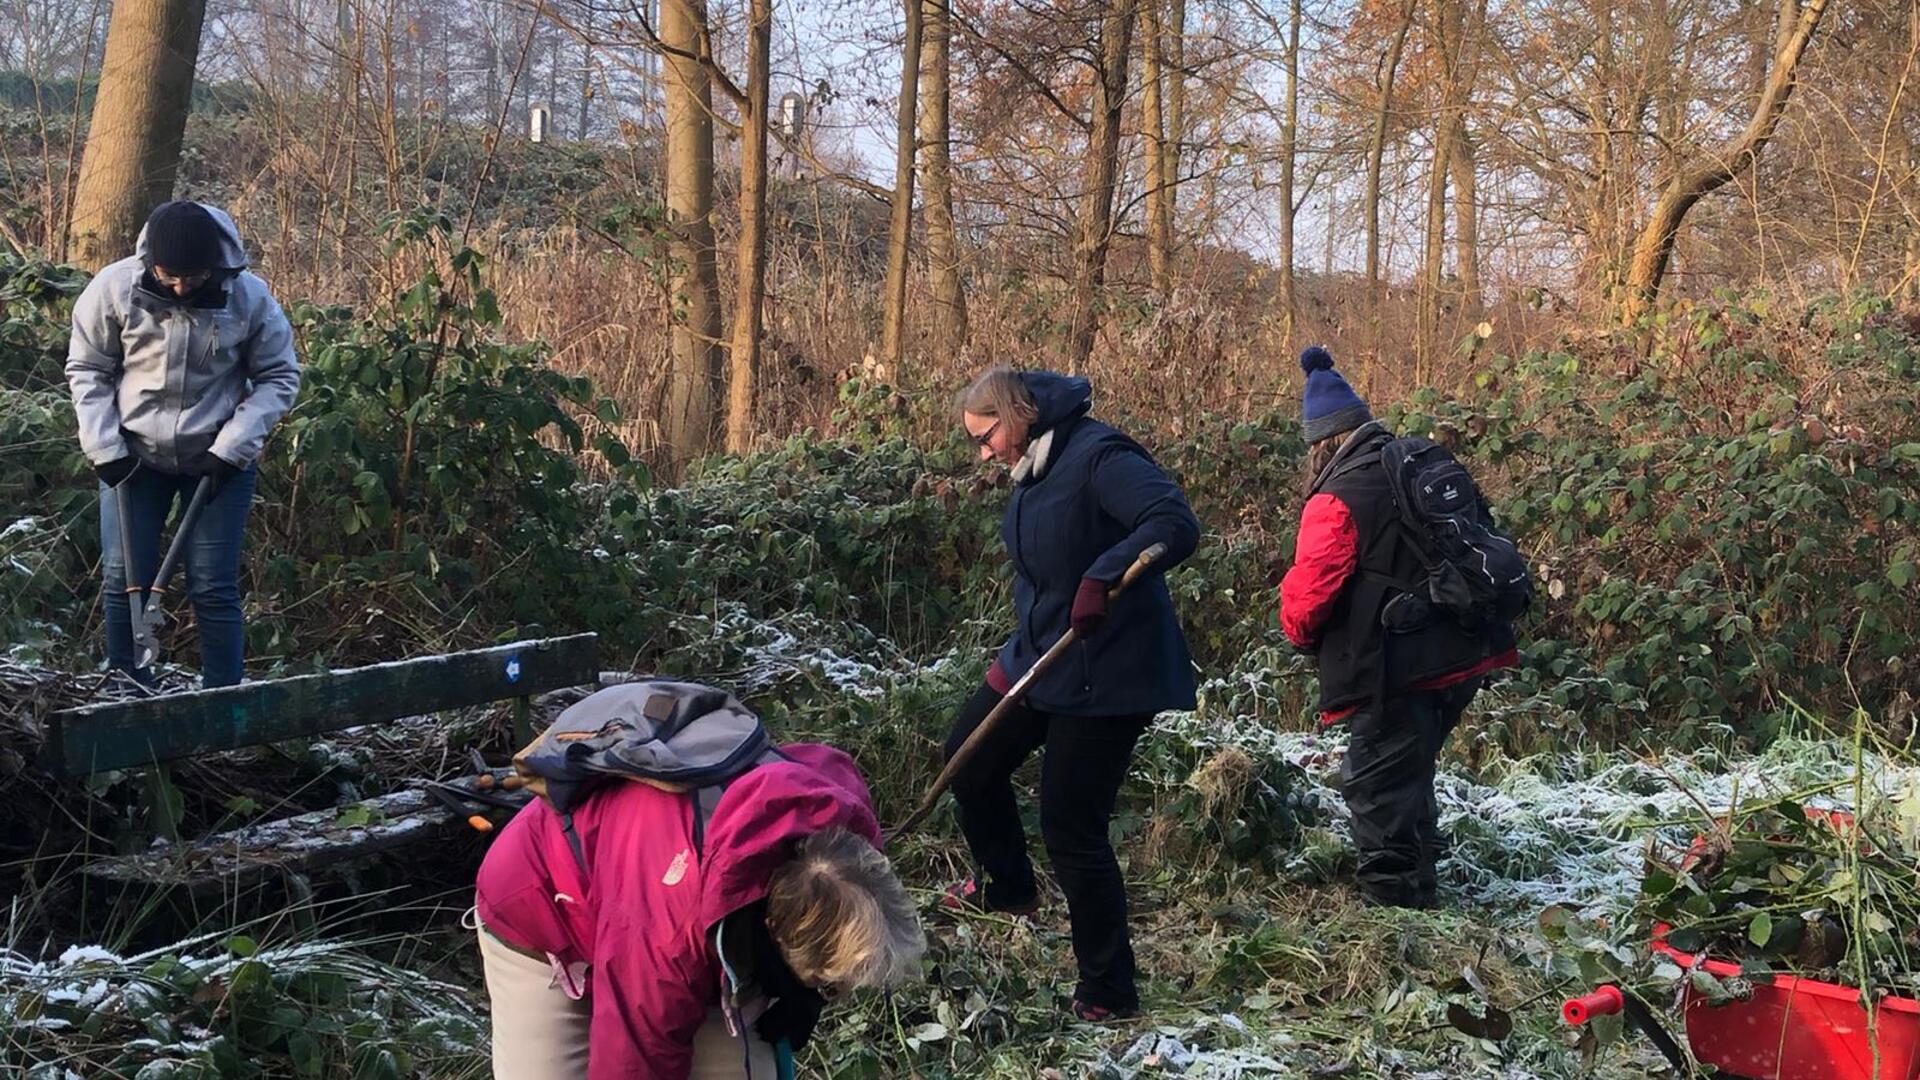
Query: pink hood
(641,919)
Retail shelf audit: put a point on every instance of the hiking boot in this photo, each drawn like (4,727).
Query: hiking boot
(965,895)
(1088,1013)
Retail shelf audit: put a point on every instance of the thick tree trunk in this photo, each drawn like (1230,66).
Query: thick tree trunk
(751,285)
(1376,151)
(139,118)
(1102,165)
(1289,151)
(689,425)
(1654,247)
(900,231)
(936,137)
(1153,125)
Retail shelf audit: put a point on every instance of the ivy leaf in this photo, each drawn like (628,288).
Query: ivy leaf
(1760,930)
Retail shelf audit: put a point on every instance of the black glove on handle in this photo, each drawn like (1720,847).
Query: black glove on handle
(114,473)
(221,470)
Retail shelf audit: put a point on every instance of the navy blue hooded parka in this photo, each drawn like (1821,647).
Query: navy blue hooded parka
(1099,503)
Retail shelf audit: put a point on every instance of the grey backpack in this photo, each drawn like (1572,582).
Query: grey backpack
(679,736)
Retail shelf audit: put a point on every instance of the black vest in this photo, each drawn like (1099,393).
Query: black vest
(1359,659)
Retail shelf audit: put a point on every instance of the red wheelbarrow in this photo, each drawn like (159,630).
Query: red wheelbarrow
(1788,1028)
(1791,1028)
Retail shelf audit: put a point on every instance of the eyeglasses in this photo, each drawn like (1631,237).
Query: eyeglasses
(172,280)
(986,436)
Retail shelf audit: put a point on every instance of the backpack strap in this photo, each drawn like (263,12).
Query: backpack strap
(705,801)
(573,841)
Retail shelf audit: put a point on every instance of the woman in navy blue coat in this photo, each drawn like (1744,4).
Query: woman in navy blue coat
(1087,500)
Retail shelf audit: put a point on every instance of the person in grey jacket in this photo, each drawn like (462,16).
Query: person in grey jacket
(180,363)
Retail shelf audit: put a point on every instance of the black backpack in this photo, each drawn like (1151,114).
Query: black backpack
(1474,571)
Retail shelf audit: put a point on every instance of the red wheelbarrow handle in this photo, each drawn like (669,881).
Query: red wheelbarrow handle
(1603,1001)
(1609,1000)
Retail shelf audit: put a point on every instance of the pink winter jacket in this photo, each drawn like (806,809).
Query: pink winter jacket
(643,922)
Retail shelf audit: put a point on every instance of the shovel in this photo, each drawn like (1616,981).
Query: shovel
(960,757)
(144,601)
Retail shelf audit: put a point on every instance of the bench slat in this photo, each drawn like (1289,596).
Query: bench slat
(129,734)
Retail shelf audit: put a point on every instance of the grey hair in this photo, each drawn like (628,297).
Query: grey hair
(999,393)
(841,916)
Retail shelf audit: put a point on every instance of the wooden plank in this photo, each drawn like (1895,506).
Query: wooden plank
(129,734)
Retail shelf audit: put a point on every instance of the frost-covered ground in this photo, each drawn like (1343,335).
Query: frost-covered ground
(1556,828)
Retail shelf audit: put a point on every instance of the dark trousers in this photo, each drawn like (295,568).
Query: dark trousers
(1387,780)
(1085,761)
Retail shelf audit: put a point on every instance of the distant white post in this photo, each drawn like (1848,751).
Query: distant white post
(792,123)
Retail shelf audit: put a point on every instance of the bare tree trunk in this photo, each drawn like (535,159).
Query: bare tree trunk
(936,137)
(586,72)
(1434,252)
(1096,208)
(751,286)
(900,231)
(1173,65)
(1153,122)
(1654,247)
(139,118)
(1466,216)
(1376,150)
(693,384)
(1289,150)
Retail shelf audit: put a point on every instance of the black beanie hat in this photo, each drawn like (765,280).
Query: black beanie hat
(183,237)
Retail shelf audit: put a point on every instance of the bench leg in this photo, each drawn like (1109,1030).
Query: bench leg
(522,722)
(164,805)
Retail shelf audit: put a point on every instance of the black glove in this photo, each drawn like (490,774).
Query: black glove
(114,473)
(796,1006)
(221,470)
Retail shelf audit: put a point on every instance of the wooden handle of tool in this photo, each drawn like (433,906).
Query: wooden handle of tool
(1141,564)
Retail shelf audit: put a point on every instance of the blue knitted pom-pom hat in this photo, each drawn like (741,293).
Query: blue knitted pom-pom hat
(1329,406)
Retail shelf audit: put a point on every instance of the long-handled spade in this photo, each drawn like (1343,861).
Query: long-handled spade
(960,757)
(144,602)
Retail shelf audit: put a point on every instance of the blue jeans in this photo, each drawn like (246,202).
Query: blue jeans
(212,564)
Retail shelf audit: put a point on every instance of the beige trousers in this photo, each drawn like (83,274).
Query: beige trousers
(539,1033)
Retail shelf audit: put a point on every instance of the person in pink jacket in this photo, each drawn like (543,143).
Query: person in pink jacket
(681,952)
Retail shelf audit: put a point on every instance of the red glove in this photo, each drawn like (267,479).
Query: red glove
(1089,607)
(997,678)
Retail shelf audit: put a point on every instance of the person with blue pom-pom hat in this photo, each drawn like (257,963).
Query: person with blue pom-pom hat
(1351,554)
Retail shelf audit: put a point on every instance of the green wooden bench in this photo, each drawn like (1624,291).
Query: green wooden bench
(151,732)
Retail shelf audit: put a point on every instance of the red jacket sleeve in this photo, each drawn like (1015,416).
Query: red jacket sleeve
(1324,556)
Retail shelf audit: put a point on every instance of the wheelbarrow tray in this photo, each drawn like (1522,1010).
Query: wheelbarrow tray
(1796,1028)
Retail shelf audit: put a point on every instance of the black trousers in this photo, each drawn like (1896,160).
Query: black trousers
(1387,780)
(1085,761)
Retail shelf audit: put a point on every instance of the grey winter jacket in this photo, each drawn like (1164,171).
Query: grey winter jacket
(172,380)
